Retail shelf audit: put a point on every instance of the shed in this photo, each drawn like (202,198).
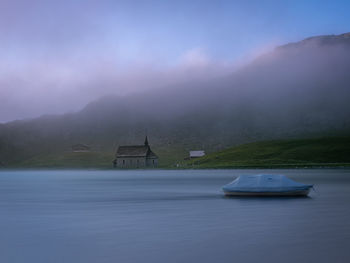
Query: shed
(80,148)
(197,154)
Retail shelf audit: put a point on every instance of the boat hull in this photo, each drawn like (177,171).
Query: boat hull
(304,192)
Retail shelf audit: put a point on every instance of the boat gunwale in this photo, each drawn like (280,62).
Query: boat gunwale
(267,189)
(304,192)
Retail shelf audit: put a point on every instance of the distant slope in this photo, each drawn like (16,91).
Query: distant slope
(95,159)
(333,151)
(75,160)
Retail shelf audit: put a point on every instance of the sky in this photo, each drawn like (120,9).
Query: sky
(56,56)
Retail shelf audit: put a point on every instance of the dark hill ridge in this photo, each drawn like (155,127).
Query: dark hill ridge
(299,90)
(342,39)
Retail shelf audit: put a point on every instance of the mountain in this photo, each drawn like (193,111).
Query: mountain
(298,90)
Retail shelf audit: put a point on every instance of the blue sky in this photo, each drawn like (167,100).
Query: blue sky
(54,50)
(165,29)
(226,29)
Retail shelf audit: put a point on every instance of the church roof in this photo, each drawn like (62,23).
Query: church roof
(136,151)
(132,151)
(151,154)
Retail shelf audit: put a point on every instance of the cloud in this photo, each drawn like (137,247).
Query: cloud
(59,84)
(57,57)
(195,57)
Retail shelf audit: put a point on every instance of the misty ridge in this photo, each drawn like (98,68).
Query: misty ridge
(297,90)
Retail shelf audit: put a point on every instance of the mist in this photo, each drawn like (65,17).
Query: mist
(56,57)
(66,86)
(293,86)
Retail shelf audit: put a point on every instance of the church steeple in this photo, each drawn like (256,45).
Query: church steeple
(146,141)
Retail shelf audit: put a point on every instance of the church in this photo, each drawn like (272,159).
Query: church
(136,156)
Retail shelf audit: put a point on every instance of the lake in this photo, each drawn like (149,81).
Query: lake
(169,216)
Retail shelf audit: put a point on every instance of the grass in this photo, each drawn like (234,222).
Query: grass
(334,151)
(70,160)
(320,152)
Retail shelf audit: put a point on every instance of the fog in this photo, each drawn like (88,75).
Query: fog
(56,57)
(306,81)
(308,78)
(45,88)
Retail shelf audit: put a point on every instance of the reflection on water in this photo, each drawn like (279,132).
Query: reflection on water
(172,216)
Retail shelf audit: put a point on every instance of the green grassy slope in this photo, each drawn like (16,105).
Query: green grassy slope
(101,160)
(333,151)
(69,160)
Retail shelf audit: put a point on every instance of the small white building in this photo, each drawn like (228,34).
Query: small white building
(197,154)
(80,148)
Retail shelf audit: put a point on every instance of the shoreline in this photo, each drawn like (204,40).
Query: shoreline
(272,167)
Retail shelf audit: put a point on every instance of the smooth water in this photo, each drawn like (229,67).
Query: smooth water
(169,216)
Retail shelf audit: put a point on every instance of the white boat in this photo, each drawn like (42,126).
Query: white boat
(265,185)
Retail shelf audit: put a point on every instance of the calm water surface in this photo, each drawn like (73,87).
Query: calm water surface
(169,216)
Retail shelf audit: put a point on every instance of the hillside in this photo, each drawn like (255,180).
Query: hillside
(91,160)
(300,90)
(330,152)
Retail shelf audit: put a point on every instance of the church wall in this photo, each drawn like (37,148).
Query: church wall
(152,162)
(131,162)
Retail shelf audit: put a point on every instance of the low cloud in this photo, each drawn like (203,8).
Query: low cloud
(55,85)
